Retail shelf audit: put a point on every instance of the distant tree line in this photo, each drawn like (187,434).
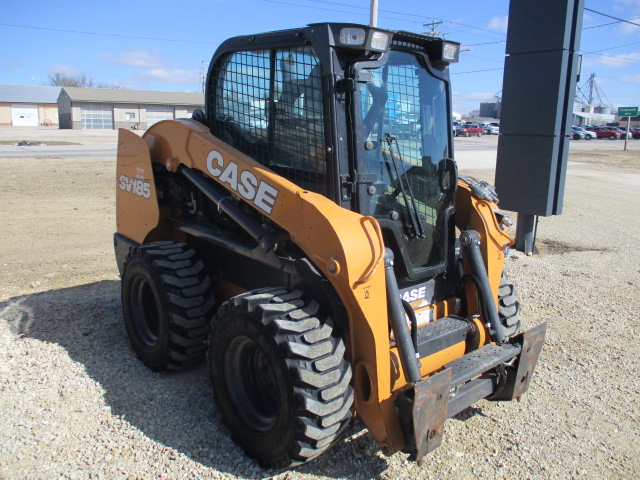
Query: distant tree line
(58,79)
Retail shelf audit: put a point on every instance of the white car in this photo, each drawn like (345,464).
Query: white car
(586,134)
(490,129)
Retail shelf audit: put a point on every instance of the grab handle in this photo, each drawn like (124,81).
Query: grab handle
(368,273)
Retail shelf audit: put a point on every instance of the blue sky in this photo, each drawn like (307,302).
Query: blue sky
(159,45)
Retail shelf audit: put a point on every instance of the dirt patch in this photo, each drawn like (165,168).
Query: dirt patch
(558,247)
(617,158)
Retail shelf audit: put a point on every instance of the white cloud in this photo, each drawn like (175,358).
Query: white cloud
(631,78)
(499,23)
(63,69)
(138,57)
(176,76)
(614,61)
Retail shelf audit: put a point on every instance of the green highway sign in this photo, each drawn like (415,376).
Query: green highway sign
(627,111)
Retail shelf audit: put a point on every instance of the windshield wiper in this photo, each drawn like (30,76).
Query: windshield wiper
(409,202)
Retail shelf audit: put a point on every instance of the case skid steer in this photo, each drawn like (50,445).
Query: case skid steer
(308,233)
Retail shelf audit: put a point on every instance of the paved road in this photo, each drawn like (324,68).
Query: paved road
(59,151)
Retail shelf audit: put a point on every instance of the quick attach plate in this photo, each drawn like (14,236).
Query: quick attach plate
(423,410)
(519,375)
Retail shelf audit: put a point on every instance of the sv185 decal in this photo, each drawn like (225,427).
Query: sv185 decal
(135,186)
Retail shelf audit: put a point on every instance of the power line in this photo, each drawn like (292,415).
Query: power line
(611,48)
(615,18)
(338,11)
(606,24)
(477,71)
(107,34)
(485,43)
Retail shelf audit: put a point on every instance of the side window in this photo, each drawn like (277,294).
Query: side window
(242,95)
(269,106)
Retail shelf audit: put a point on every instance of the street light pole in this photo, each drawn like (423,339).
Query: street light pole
(373,21)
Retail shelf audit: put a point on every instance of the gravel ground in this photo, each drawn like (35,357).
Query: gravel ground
(75,402)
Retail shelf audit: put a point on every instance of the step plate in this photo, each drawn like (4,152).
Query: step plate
(479,361)
(441,334)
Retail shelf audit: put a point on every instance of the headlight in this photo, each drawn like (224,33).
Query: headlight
(379,41)
(364,38)
(352,36)
(450,52)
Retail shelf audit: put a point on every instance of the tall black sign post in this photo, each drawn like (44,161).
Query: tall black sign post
(540,75)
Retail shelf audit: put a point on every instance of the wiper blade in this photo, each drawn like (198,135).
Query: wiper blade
(405,186)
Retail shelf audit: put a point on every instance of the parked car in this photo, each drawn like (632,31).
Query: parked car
(470,129)
(490,129)
(604,132)
(578,132)
(635,133)
(622,131)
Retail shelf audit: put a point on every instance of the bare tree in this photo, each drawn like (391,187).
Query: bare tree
(111,86)
(473,114)
(58,79)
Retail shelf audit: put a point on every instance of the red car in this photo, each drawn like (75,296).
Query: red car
(604,132)
(468,130)
(635,132)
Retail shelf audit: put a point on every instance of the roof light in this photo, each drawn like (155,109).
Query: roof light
(379,41)
(352,36)
(450,52)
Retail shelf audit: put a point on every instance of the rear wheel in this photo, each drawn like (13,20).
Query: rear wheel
(467,134)
(167,303)
(479,134)
(279,376)
(612,137)
(508,306)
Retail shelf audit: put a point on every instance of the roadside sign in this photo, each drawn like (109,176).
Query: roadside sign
(627,111)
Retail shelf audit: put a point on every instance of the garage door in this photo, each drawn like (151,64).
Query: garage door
(24,116)
(97,117)
(156,113)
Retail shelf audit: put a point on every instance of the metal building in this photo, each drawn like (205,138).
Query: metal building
(100,108)
(28,105)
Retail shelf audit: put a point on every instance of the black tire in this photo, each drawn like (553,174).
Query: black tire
(479,134)
(279,377)
(612,137)
(508,306)
(467,134)
(167,302)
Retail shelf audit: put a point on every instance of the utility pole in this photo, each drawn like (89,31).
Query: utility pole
(433,32)
(373,19)
(592,81)
(202,73)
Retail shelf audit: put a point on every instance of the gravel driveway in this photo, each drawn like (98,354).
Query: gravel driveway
(76,403)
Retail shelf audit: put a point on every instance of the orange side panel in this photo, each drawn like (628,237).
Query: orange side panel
(136,202)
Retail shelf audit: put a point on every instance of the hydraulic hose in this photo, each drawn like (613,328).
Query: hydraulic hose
(470,241)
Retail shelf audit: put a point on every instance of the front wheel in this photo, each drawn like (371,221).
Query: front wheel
(612,137)
(279,376)
(479,134)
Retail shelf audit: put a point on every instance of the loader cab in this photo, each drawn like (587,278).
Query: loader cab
(358,114)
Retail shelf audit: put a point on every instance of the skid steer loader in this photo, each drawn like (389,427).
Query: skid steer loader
(309,234)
